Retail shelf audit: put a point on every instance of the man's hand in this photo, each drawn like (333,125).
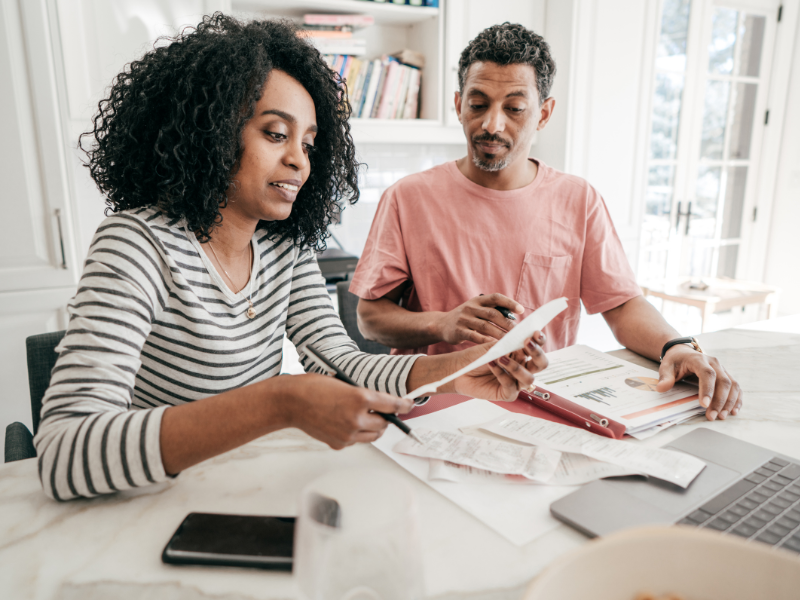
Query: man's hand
(501,380)
(720,393)
(339,414)
(477,320)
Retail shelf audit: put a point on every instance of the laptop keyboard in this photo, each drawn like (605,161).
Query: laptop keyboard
(764,506)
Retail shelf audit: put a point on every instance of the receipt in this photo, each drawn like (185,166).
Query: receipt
(443,470)
(572,469)
(510,342)
(577,469)
(669,465)
(537,464)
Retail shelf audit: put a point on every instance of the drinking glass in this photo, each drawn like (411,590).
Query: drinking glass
(357,538)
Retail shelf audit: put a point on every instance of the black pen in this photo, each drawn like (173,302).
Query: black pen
(505,312)
(342,376)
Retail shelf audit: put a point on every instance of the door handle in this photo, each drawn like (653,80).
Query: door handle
(63,264)
(687,214)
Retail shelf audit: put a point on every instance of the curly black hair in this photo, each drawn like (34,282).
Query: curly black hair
(510,44)
(170,131)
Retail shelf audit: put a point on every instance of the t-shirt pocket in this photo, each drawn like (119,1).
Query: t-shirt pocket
(543,278)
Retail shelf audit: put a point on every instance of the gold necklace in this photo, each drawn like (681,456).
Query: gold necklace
(251,311)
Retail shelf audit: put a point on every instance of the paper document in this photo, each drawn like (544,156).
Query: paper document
(669,465)
(443,470)
(643,434)
(573,469)
(510,342)
(616,388)
(520,513)
(505,458)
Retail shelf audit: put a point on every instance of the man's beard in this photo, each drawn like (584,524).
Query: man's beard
(491,165)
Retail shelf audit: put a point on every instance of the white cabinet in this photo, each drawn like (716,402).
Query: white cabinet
(35,249)
(38,262)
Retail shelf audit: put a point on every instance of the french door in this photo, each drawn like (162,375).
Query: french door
(709,110)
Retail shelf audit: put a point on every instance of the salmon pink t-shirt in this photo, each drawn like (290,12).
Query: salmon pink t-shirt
(454,239)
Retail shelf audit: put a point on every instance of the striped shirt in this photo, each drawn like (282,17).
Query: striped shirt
(154,325)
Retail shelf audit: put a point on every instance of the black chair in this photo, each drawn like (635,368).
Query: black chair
(42,358)
(347,312)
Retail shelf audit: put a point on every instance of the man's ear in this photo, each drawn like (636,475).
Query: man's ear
(458,105)
(546,112)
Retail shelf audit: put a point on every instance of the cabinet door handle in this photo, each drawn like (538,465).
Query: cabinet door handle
(63,264)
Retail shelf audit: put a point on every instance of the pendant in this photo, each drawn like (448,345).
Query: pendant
(251,312)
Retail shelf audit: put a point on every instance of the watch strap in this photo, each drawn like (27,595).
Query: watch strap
(684,340)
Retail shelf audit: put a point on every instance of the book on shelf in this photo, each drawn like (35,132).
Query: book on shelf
(411,109)
(330,34)
(412,58)
(383,88)
(354,21)
(347,46)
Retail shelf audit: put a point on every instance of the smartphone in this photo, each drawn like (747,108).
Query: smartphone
(232,540)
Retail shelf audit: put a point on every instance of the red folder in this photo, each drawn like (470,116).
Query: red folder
(556,409)
(575,414)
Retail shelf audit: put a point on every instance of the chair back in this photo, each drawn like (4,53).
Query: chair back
(347,312)
(42,358)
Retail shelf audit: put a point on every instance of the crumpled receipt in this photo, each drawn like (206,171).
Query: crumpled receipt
(668,465)
(510,342)
(536,464)
(573,469)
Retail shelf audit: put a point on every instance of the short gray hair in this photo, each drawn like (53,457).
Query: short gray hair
(510,44)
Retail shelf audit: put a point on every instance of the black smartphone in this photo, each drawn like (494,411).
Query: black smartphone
(232,540)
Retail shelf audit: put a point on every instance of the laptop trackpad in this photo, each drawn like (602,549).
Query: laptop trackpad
(673,499)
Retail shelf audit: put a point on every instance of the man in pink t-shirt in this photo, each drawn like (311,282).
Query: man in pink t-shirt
(497,229)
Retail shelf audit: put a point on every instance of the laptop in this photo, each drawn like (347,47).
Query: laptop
(744,490)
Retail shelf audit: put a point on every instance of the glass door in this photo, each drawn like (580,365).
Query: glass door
(707,120)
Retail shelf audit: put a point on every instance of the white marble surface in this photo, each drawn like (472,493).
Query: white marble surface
(110,547)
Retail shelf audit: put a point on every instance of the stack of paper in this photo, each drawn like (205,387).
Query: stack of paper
(617,389)
(519,511)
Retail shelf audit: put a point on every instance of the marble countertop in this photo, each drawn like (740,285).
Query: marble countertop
(110,547)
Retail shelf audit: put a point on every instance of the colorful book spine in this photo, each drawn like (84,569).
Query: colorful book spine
(365,104)
(376,99)
(356,86)
(402,92)
(412,98)
(390,90)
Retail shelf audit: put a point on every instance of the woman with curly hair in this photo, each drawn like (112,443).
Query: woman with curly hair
(223,156)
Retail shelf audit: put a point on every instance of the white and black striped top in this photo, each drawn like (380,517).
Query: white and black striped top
(154,325)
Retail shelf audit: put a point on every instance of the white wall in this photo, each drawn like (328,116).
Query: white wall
(784,241)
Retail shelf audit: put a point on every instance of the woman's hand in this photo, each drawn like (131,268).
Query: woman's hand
(502,379)
(337,413)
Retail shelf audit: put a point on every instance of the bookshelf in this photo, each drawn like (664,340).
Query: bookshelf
(396,27)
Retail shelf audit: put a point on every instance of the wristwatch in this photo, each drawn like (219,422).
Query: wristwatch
(684,340)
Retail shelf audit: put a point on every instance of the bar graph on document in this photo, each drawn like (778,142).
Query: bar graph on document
(598,395)
(620,389)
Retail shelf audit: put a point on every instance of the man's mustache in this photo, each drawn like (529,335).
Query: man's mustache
(492,138)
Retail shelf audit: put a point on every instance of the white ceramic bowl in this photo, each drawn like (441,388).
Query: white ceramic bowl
(696,564)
